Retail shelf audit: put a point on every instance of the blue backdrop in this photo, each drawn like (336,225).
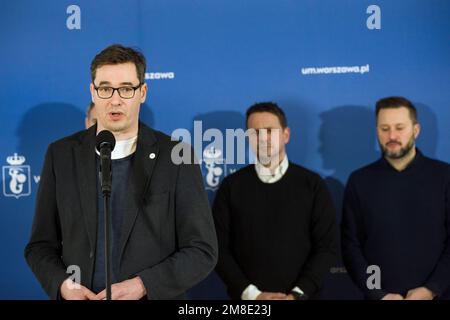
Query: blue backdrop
(325,62)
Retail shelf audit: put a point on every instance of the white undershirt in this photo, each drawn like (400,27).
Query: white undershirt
(252,292)
(123,148)
(267,176)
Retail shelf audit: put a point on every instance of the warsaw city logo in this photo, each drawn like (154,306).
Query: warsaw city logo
(214,164)
(16,177)
(216,167)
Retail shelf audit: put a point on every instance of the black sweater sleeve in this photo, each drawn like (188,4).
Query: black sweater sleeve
(439,280)
(227,266)
(323,241)
(352,240)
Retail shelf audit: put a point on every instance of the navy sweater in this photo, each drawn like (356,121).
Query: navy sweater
(121,169)
(399,221)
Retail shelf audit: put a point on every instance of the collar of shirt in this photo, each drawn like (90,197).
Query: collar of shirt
(265,174)
(123,148)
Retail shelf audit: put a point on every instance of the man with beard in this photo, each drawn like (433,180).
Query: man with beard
(396,214)
(275,220)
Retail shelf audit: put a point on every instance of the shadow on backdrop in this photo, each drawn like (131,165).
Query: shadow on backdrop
(429,134)
(297,121)
(44,124)
(347,142)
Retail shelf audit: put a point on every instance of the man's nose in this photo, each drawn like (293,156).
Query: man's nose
(263,137)
(116,99)
(393,135)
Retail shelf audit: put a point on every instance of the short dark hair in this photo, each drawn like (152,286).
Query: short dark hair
(396,102)
(270,107)
(118,54)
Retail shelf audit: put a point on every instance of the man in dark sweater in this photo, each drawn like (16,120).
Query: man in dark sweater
(275,220)
(396,214)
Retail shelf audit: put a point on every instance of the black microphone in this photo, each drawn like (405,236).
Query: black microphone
(105,143)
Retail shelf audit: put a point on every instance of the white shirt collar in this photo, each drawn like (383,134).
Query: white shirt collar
(265,174)
(123,148)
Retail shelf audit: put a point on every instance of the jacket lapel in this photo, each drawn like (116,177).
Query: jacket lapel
(87,182)
(141,173)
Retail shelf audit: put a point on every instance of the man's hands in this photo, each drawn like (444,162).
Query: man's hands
(72,291)
(132,289)
(420,293)
(393,296)
(272,296)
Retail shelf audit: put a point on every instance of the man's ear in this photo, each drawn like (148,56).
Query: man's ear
(416,130)
(144,92)
(92,90)
(286,134)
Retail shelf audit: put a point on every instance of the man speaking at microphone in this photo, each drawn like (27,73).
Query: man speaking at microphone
(162,237)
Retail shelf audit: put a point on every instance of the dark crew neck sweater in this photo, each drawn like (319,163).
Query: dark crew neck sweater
(399,221)
(118,204)
(274,235)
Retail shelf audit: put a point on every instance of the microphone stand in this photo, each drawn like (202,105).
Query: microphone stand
(106,178)
(106,198)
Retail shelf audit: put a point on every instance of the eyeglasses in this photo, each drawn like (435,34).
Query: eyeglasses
(124,92)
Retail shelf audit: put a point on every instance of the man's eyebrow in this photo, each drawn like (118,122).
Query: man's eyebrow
(392,124)
(126,83)
(104,82)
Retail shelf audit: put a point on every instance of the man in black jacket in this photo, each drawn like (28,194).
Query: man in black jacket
(275,220)
(163,240)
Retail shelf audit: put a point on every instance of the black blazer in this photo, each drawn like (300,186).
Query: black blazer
(170,241)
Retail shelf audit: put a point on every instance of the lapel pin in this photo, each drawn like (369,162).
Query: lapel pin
(152,155)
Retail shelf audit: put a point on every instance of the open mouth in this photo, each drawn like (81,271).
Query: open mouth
(115,115)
